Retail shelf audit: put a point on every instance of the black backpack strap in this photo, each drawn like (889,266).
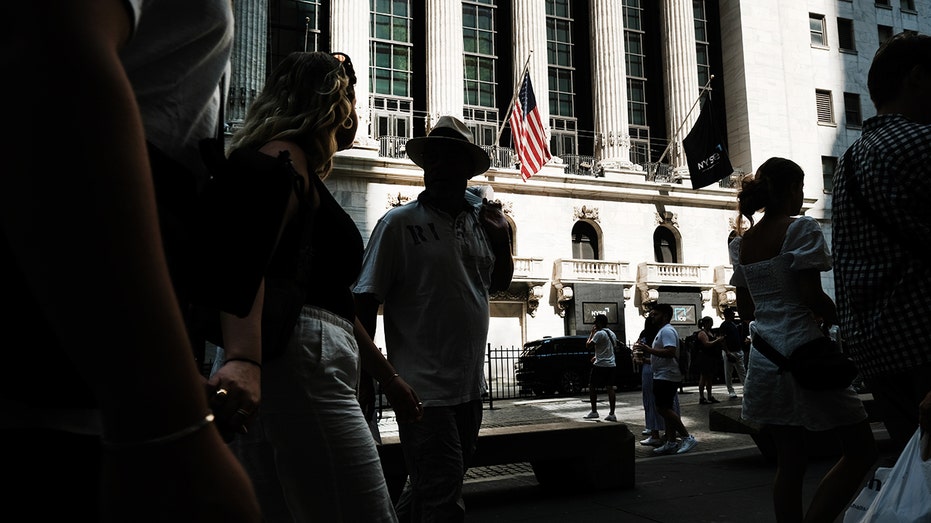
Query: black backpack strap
(771,354)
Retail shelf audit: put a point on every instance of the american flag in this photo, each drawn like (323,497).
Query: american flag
(527,131)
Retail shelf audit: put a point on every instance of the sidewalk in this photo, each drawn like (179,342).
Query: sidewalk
(724,479)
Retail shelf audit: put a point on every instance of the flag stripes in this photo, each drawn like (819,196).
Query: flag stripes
(527,131)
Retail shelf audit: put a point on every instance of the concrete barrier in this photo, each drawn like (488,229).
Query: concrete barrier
(565,455)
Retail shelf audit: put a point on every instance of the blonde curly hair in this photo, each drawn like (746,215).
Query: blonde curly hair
(306,100)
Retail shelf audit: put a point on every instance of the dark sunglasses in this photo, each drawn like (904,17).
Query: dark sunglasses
(347,66)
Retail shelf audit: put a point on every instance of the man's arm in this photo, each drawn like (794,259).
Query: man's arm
(499,235)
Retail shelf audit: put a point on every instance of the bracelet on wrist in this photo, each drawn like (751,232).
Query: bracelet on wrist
(162,440)
(390,380)
(247,360)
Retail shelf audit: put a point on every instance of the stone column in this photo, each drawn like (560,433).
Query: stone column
(681,82)
(609,85)
(349,30)
(444,60)
(529,35)
(247,61)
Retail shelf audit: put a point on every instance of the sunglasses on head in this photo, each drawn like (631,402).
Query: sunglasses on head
(347,66)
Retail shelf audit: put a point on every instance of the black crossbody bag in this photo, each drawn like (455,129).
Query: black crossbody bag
(817,365)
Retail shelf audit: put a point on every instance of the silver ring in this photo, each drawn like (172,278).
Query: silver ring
(222,392)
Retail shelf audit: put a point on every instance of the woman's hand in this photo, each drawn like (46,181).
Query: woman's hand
(234,394)
(404,400)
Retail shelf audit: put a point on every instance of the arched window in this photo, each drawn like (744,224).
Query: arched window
(584,242)
(665,246)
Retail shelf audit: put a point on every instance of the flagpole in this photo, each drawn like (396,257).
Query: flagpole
(520,82)
(686,119)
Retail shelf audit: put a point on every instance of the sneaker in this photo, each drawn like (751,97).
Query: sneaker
(703,401)
(610,417)
(712,399)
(652,442)
(646,432)
(592,415)
(732,395)
(687,444)
(666,448)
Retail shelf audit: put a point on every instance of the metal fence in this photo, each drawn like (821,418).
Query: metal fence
(499,374)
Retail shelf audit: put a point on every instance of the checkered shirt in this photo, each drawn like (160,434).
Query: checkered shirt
(882,285)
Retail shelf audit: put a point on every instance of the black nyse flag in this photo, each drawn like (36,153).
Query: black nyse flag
(705,151)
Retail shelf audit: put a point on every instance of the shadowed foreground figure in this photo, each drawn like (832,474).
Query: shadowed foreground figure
(881,229)
(777,272)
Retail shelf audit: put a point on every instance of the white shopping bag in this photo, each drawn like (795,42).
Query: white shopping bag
(901,494)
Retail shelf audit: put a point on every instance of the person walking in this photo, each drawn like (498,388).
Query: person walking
(654,423)
(733,352)
(310,450)
(604,369)
(881,223)
(709,359)
(666,378)
(431,264)
(777,275)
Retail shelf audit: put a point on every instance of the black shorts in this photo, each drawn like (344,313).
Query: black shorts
(664,393)
(602,376)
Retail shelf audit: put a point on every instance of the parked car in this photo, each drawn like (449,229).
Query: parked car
(562,365)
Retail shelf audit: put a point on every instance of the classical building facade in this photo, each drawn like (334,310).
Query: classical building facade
(611,224)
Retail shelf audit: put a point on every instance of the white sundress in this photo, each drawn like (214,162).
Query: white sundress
(783,321)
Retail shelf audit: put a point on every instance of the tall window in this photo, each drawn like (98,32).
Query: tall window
(561,76)
(845,35)
(884,32)
(665,246)
(825,106)
(816,26)
(390,72)
(584,241)
(908,5)
(636,82)
(478,33)
(828,166)
(883,3)
(701,42)
(852,110)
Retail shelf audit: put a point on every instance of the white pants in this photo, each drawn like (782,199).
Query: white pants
(310,453)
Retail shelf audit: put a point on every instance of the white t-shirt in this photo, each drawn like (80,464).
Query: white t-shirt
(432,272)
(666,368)
(603,340)
(174,59)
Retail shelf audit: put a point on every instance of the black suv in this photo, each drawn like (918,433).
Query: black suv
(562,365)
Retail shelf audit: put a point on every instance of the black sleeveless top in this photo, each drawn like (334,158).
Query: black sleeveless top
(335,258)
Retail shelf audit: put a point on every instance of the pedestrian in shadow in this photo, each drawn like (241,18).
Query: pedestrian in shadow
(881,226)
(777,274)
(666,378)
(604,368)
(709,359)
